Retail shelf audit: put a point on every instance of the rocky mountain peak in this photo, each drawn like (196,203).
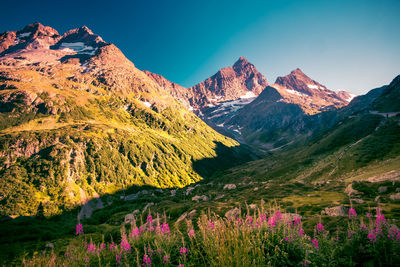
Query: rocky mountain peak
(241,63)
(37,30)
(300,82)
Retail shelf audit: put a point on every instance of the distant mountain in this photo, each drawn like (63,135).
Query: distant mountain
(231,83)
(78,120)
(282,112)
(219,97)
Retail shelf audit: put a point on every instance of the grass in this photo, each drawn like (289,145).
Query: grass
(265,237)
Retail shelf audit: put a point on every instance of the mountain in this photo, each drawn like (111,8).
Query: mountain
(219,97)
(389,100)
(79,120)
(284,111)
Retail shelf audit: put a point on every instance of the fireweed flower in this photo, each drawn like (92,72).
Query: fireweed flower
(315,243)
(191,233)
(112,246)
(184,251)
(125,244)
(278,216)
(301,232)
(118,258)
(146,260)
(249,220)
(363,227)
(165,228)
(272,222)
(305,263)
(211,224)
(372,237)
(79,229)
(135,232)
(166,259)
(149,219)
(369,215)
(380,219)
(320,227)
(91,248)
(297,221)
(181,265)
(352,213)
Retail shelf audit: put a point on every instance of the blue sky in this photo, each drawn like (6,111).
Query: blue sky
(350,45)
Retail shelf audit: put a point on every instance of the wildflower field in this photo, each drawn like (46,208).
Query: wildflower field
(265,237)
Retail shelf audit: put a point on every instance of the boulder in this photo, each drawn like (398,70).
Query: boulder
(197,198)
(219,197)
(382,189)
(335,211)
(358,200)
(395,196)
(229,186)
(232,214)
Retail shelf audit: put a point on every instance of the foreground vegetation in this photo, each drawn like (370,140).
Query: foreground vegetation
(262,238)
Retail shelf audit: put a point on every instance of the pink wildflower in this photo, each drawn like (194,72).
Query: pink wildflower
(320,227)
(191,233)
(249,220)
(166,259)
(352,213)
(79,229)
(301,232)
(184,251)
(146,260)
(363,227)
(272,222)
(125,244)
(149,219)
(315,243)
(165,228)
(297,221)
(211,224)
(372,237)
(380,219)
(305,263)
(135,232)
(112,246)
(118,258)
(91,248)
(181,265)
(278,216)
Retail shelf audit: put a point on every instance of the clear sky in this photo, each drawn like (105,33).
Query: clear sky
(350,45)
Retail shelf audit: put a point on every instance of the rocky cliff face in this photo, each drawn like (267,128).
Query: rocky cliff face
(230,83)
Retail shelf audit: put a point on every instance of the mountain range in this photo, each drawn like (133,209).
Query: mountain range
(79,120)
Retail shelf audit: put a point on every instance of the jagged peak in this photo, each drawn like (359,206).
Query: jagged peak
(297,71)
(240,63)
(37,29)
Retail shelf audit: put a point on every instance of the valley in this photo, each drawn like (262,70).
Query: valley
(86,138)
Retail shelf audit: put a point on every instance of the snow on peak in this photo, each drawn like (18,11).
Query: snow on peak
(312,86)
(24,35)
(294,92)
(248,95)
